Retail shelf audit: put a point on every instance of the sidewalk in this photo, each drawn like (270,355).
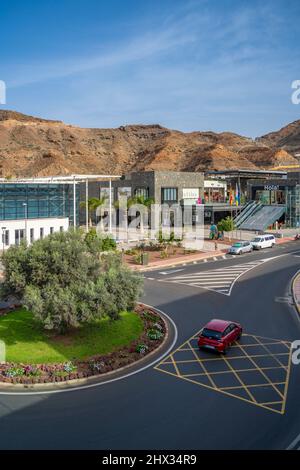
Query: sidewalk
(284,240)
(194,258)
(296,291)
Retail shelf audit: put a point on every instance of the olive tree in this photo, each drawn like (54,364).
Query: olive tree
(65,281)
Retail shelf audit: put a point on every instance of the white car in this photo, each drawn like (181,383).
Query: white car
(263,241)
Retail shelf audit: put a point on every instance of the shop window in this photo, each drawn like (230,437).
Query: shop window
(169,195)
(141,192)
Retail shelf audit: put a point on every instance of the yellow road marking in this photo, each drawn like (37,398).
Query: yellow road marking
(251,386)
(186,346)
(174,364)
(271,354)
(287,381)
(183,361)
(262,372)
(204,369)
(220,391)
(240,380)
(224,371)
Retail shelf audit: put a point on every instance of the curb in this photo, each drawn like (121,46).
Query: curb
(203,259)
(97,380)
(294,280)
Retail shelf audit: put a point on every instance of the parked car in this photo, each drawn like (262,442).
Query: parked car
(263,241)
(240,247)
(219,335)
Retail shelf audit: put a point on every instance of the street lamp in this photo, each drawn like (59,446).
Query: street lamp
(3,237)
(26,216)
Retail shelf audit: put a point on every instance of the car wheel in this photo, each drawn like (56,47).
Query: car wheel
(240,335)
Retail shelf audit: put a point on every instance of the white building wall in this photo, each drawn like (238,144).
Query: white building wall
(56,224)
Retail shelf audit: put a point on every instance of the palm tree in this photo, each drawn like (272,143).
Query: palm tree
(143,201)
(93,204)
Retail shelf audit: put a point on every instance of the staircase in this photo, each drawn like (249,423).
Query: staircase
(249,209)
(262,217)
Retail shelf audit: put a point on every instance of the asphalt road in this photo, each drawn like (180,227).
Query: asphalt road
(159,410)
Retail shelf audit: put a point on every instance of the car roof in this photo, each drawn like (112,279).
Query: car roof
(218,325)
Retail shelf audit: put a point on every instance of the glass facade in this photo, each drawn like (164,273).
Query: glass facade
(36,201)
(293,207)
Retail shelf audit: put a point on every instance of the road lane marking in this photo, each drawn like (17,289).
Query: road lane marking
(294,444)
(265,387)
(164,273)
(220,280)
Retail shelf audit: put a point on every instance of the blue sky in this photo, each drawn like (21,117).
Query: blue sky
(188,65)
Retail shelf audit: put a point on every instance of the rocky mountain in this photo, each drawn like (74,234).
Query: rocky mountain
(32,146)
(287,138)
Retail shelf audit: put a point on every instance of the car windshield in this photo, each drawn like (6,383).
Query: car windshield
(237,245)
(256,240)
(213,334)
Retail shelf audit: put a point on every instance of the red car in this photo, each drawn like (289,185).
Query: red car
(219,335)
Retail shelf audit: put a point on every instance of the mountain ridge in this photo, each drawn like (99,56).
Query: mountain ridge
(32,146)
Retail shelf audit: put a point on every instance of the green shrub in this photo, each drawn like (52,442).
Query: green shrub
(64,284)
(154,334)
(226,225)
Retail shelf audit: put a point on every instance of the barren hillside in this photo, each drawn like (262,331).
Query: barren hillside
(38,147)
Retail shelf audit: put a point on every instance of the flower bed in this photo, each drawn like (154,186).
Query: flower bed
(151,338)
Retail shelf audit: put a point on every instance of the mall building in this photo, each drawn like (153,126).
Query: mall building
(266,198)
(32,208)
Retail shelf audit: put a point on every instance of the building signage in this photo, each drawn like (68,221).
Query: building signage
(271,187)
(214,184)
(190,193)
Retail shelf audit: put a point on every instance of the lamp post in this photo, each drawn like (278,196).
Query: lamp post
(3,238)
(26,216)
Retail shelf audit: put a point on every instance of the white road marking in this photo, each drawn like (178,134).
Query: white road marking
(164,273)
(219,280)
(294,444)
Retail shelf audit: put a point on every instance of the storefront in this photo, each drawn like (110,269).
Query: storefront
(215,191)
(269,194)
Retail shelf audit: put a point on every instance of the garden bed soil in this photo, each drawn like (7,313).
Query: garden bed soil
(94,366)
(156,255)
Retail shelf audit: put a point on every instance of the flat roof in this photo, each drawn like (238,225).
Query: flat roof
(56,179)
(243,172)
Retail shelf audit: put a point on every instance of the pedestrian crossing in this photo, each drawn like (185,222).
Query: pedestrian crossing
(219,280)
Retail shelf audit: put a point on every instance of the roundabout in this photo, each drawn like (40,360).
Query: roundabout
(150,409)
(155,353)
